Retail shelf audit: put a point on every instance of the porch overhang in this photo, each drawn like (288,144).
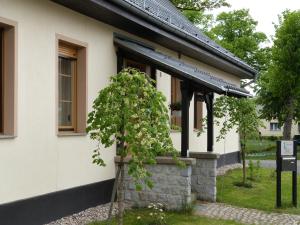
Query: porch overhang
(194,81)
(198,79)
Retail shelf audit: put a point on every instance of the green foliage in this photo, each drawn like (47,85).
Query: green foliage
(279,86)
(236,31)
(254,170)
(199,5)
(241,115)
(175,106)
(197,11)
(133,114)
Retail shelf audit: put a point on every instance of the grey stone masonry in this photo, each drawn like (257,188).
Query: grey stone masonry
(204,174)
(172,184)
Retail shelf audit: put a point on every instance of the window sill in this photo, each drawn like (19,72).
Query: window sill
(4,136)
(69,134)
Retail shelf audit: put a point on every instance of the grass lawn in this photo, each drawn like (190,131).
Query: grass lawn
(263,194)
(172,219)
(256,145)
(262,149)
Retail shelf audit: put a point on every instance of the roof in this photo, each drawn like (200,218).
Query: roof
(164,12)
(185,70)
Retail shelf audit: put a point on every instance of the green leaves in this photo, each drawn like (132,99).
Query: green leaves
(239,114)
(236,31)
(279,86)
(131,112)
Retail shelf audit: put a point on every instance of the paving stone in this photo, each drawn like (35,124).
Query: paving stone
(244,215)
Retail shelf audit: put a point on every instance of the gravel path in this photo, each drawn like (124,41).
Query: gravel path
(246,216)
(98,213)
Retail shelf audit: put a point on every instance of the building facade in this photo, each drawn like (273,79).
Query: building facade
(55,57)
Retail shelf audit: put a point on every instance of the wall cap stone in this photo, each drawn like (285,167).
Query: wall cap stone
(162,160)
(204,155)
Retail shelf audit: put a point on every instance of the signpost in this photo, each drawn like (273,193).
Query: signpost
(286,160)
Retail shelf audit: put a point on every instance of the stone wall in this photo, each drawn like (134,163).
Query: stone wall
(204,174)
(172,184)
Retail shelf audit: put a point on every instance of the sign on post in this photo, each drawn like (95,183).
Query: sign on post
(286,160)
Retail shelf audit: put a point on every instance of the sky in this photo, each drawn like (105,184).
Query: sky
(263,11)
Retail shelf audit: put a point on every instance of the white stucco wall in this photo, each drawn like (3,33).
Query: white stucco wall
(37,161)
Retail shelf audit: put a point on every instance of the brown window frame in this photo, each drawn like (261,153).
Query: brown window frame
(198,112)
(175,97)
(8,78)
(71,49)
(1,82)
(73,101)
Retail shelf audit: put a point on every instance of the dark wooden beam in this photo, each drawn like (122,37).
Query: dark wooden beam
(186,96)
(120,61)
(209,100)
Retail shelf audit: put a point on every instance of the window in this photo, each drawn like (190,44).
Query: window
(175,103)
(274,127)
(71,87)
(7,78)
(198,111)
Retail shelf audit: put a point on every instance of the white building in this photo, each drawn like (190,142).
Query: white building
(55,57)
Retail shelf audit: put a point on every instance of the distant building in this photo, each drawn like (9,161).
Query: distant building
(272,128)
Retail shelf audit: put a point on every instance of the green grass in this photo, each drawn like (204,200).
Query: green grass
(264,145)
(263,194)
(173,218)
(269,155)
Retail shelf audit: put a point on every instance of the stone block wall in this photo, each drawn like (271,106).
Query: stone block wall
(204,174)
(172,184)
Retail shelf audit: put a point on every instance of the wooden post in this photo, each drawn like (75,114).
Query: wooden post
(120,61)
(186,96)
(209,100)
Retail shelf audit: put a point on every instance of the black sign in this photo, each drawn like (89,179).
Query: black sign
(286,160)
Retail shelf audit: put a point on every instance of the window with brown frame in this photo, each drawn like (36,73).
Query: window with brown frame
(198,112)
(175,102)
(7,78)
(71,87)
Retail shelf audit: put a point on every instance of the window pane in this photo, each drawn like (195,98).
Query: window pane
(65,66)
(65,88)
(65,114)
(66,92)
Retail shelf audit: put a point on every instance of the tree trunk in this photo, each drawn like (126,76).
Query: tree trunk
(243,148)
(287,128)
(113,196)
(121,194)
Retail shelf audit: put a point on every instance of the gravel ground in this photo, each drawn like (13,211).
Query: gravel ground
(96,213)
(224,169)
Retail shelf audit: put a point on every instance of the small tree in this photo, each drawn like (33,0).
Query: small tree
(131,113)
(240,114)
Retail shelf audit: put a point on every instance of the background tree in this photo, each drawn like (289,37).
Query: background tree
(279,87)
(133,114)
(236,31)
(197,11)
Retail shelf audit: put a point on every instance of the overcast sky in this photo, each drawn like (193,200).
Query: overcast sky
(263,11)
